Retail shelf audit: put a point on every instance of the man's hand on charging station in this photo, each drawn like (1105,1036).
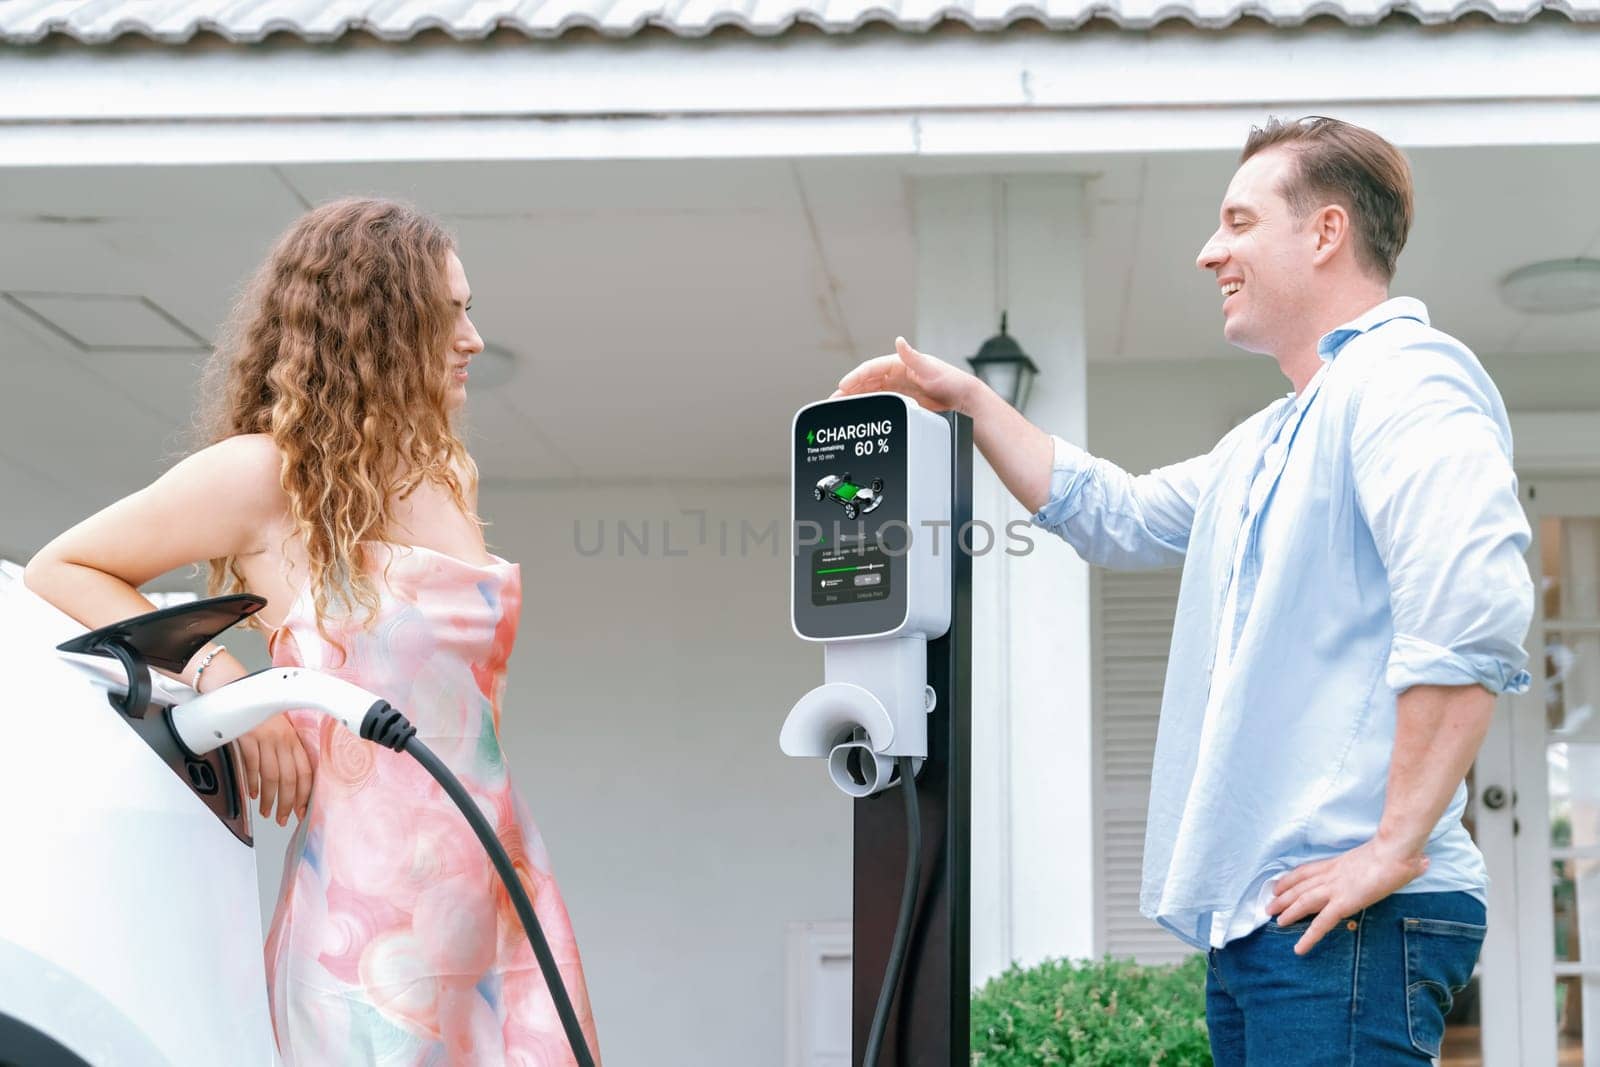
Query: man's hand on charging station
(1018,451)
(1334,889)
(934,384)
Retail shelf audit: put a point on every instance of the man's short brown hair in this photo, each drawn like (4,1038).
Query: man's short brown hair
(1344,164)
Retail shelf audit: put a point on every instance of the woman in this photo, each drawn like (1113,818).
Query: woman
(335,486)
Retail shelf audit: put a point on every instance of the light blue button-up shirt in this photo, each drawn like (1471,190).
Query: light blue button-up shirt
(1338,547)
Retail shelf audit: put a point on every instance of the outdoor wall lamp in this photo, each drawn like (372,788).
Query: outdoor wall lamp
(1004,367)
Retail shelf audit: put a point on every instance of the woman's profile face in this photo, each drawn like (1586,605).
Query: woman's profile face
(464,340)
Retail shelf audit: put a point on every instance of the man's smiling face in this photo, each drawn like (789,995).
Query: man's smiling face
(1261,255)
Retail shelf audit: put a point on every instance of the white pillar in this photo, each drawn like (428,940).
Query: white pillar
(987,244)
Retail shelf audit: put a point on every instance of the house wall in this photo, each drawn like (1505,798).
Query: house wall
(1146,414)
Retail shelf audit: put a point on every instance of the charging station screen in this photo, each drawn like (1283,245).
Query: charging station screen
(849,482)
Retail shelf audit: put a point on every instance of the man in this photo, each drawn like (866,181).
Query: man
(1354,596)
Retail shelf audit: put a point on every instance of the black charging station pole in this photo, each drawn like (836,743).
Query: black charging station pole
(928,1022)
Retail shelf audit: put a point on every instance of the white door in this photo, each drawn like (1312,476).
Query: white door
(1536,807)
(817,1024)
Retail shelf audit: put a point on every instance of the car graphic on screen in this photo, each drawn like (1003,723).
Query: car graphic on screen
(857,499)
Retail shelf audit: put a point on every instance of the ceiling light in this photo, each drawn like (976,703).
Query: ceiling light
(1554,287)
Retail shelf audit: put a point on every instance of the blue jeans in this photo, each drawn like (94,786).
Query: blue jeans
(1373,991)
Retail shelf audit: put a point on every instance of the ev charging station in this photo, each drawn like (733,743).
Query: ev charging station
(881,493)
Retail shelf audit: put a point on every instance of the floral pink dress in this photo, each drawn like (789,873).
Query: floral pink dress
(393,941)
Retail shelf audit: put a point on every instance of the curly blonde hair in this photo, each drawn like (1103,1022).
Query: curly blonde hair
(337,350)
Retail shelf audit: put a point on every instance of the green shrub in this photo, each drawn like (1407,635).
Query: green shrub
(1114,1013)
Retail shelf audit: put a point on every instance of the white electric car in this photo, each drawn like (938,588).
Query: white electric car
(130,928)
(130,933)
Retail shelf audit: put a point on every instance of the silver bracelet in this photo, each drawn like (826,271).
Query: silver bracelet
(198,671)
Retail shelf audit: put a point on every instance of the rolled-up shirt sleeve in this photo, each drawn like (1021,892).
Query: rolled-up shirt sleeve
(1431,456)
(1118,520)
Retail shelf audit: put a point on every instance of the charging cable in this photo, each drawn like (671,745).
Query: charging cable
(213,719)
(387,727)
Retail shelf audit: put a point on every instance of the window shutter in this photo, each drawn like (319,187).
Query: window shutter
(1134,635)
